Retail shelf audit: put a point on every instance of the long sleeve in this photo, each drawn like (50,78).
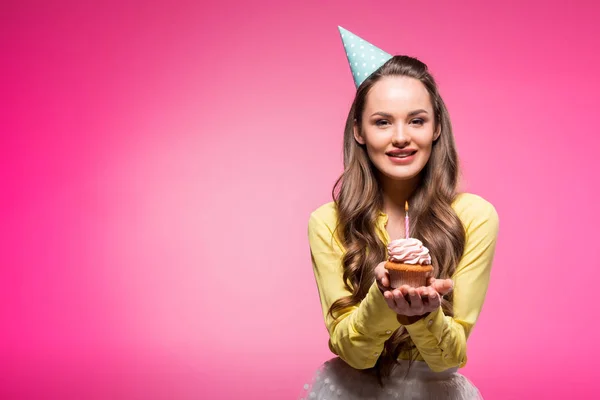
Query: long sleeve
(440,339)
(359,334)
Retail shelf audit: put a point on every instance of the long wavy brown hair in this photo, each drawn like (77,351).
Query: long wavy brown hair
(358,197)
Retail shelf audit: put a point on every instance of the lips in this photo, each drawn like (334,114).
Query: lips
(401,153)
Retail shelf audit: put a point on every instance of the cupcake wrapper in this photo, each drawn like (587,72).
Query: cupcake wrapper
(410,278)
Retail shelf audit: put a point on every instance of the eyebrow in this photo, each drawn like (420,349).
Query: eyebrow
(410,114)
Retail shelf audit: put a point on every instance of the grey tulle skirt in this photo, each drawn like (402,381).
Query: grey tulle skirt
(337,380)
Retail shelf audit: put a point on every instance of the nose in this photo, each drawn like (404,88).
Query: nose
(400,138)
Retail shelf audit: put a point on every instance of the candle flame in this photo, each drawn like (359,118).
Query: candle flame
(406,206)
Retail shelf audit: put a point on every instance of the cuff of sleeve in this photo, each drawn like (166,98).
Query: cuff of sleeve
(375,316)
(428,329)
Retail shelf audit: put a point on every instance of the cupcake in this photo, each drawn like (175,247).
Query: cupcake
(409,263)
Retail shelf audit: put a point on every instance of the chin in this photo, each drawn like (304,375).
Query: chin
(397,175)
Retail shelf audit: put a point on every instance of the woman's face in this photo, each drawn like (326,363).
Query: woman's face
(398,127)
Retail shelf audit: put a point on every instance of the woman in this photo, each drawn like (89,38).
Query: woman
(398,147)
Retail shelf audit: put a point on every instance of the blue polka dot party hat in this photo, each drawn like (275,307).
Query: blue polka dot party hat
(363,57)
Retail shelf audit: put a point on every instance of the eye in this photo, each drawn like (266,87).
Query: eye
(419,121)
(380,120)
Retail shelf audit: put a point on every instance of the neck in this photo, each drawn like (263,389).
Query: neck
(396,193)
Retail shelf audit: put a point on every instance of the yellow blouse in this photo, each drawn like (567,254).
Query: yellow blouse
(359,334)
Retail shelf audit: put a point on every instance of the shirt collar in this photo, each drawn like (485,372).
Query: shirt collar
(382,220)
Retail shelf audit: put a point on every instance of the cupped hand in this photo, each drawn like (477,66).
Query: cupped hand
(411,301)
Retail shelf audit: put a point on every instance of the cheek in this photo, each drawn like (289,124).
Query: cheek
(377,151)
(376,148)
(425,156)
(425,147)
(378,145)
(373,154)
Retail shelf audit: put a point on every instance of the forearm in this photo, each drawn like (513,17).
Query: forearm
(440,339)
(357,348)
(359,336)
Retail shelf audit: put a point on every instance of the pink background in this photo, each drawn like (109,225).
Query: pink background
(159,162)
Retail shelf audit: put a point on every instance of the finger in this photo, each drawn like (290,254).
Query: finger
(380,284)
(431,281)
(436,283)
(381,275)
(434,300)
(404,291)
(389,299)
(401,303)
(385,280)
(445,287)
(423,292)
(416,304)
(442,285)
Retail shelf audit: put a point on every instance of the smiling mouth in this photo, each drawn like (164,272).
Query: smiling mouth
(402,155)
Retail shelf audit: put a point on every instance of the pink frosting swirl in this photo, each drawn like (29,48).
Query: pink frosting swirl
(409,251)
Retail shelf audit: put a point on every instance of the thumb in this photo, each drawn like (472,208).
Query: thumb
(443,286)
(381,274)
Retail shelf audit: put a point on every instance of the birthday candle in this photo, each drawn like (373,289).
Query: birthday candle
(406,220)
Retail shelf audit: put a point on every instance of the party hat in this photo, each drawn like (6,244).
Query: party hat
(363,57)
